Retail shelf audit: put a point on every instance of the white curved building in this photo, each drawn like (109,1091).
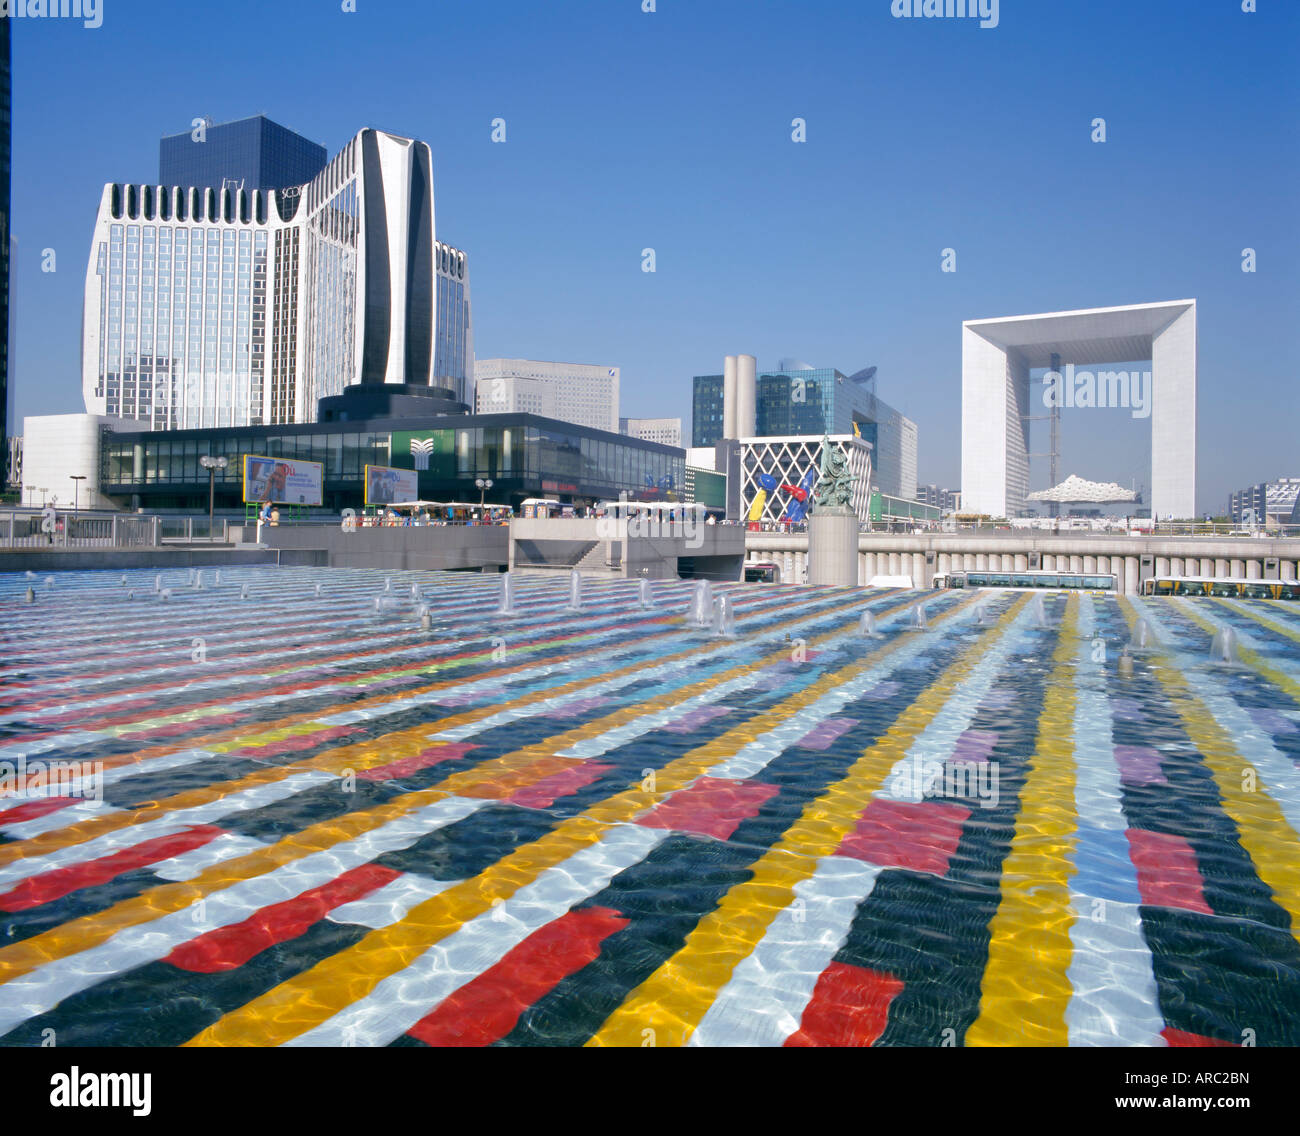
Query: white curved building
(213,307)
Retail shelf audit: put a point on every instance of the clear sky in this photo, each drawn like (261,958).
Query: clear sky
(672,130)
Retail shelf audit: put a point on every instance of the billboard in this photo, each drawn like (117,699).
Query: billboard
(282,481)
(385,485)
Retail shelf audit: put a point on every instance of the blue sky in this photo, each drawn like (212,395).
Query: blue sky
(672,130)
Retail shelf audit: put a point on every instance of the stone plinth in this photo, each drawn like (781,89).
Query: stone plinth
(833,546)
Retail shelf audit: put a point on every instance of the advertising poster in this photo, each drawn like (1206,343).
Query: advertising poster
(282,481)
(385,485)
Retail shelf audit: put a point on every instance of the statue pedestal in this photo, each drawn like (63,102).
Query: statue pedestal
(833,546)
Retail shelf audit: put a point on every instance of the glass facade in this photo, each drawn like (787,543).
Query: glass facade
(815,401)
(254,152)
(178,306)
(525,456)
(454,346)
(706,410)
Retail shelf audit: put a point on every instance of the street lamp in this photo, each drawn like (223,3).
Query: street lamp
(77,479)
(483,484)
(212,465)
(31,490)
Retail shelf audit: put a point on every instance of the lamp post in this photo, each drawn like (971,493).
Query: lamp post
(31,492)
(212,464)
(76,479)
(483,484)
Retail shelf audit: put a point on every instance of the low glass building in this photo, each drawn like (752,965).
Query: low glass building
(524,455)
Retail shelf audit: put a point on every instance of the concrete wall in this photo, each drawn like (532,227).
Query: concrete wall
(56,446)
(1132,559)
(125,559)
(428,549)
(1173,419)
(657,552)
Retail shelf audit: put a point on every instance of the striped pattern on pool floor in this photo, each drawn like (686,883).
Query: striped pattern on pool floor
(265,807)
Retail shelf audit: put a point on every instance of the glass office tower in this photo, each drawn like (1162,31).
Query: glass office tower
(252,153)
(810,402)
(211,307)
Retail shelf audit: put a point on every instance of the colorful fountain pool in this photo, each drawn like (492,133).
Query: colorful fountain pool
(272,808)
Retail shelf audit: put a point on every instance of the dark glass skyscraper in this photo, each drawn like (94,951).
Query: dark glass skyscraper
(5,103)
(256,152)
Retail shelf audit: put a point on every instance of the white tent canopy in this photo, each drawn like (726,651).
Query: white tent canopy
(1076,489)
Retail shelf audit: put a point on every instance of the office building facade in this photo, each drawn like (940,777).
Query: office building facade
(945,500)
(1270,502)
(211,307)
(806,402)
(251,153)
(667,431)
(582,393)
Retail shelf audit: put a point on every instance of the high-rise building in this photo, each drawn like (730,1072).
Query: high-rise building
(6,312)
(582,393)
(800,401)
(666,431)
(211,306)
(251,153)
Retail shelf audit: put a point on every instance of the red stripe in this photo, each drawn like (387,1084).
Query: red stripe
(1167,873)
(229,947)
(487,1008)
(549,789)
(849,1007)
(920,835)
(434,755)
(33,809)
(1183,1039)
(63,881)
(713,806)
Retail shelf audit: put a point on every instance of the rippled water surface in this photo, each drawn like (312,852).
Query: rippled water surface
(270,808)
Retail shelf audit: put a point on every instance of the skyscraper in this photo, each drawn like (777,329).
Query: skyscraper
(251,153)
(6,409)
(211,306)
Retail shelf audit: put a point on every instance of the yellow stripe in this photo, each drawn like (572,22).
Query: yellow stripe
(91,930)
(303,1002)
(1262,829)
(1026,987)
(1248,656)
(674,999)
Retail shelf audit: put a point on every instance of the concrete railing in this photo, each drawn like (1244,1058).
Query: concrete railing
(1131,559)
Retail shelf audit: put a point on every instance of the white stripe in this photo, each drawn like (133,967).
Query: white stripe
(1114,999)
(769,990)
(73,814)
(187,865)
(255,798)
(46,986)
(403,998)
(392,902)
